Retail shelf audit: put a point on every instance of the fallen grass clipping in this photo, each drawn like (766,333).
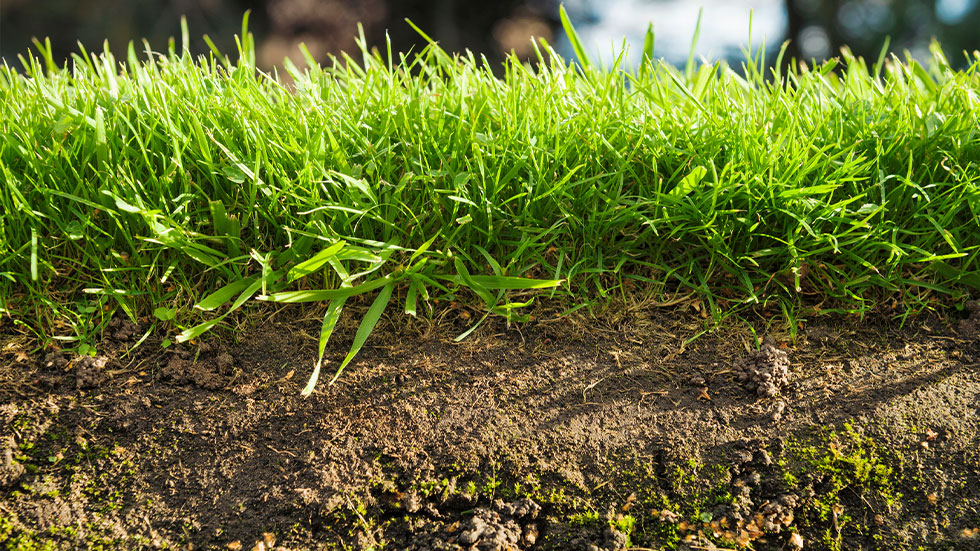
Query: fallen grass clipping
(164,181)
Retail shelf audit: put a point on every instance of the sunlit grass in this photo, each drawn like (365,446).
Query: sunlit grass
(163,181)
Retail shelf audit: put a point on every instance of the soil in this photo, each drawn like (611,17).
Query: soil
(623,433)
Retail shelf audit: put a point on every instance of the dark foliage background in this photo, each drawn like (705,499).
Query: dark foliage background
(818,28)
(325,26)
(863,25)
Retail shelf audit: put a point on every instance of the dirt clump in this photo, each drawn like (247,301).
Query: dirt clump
(207,371)
(122,330)
(612,539)
(89,371)
(765,371)
(970,327)
(500,527)
(57,359)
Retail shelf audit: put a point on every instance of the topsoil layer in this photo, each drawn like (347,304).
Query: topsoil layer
(552,435)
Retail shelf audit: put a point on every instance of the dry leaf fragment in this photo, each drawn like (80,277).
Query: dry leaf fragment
(630,502)
(234,546)
(269,538)
(931,435)
(795,540)
(704,394)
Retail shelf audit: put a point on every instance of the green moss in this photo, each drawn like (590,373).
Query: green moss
(842,465)
(587,518)
(625,524)
(490,486)
(13,539)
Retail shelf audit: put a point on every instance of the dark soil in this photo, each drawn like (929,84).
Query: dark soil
(552,435)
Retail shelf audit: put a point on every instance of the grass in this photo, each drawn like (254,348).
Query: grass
(164,181)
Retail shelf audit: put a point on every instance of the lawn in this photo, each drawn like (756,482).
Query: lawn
(163,181)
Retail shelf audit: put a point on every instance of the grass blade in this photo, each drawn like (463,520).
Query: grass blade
(648,41)
(411,298)
(689,66)
(33,254)
(366,327)
(224,294)
(583,56)
(198,330)
(512,283)
(329,322)
(313,264)
(290,297)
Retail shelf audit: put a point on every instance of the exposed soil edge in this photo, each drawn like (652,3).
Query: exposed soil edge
(547,437)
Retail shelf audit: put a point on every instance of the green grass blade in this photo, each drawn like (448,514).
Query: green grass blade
(422,248)
(648,43)
(314,263)
(224,294)
(411,297)
(512,283)
(198,330)
(689,66)
(33,254)
(580,53)
(249,291)
(462,336)
(367,325)
(329,322)
(320,295)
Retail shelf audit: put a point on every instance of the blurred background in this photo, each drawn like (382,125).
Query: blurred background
(817,28)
